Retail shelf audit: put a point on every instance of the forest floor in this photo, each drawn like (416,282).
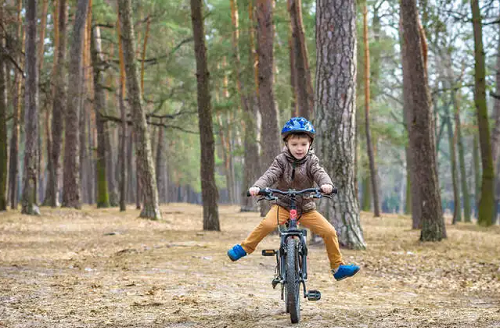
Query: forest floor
(103,268)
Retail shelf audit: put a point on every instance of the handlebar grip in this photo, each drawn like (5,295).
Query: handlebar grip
(262,192)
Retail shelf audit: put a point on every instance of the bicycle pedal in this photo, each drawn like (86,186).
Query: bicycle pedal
(268,252)
(275,282)
(313,295)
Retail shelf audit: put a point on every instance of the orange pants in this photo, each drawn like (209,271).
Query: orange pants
(312,220)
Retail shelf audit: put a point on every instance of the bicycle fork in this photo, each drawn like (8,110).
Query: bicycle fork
(280,273)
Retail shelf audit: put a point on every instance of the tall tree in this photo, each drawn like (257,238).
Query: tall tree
(335,112)
(461,153)
(487,200)
(209,192)
(420,125)
(270,139)
(161,166)
(144,154)
(3,122)
(369,146)
(250,114)
(58,108)
(17,105)
(71,177)
(29,199)
(301,73)
(98,104)
(124,130)
(412,194)
(495,134)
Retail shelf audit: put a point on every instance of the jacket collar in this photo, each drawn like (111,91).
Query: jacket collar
(290,158)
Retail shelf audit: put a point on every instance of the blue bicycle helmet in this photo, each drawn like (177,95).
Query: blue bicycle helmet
(298,125)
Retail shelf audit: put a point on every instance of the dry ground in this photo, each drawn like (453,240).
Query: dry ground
(100,268)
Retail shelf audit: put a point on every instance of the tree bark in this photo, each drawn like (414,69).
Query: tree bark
(369,147)
(144,156)
(58,109)
(99,106)
(123,153)
(71,177)
(161,166)
(3,122)
(29,199)
(17,107)
(250,117)
(270,136)
(335,113)
(495,134)
(302,76)
(457,212)
(413,201)
(461,155)
(420,125)
(487,200)
(209,190)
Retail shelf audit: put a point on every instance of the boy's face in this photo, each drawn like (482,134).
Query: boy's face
(298,146)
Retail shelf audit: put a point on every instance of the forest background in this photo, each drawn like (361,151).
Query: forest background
(166,65)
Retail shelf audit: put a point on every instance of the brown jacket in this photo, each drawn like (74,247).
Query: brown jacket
(281,175)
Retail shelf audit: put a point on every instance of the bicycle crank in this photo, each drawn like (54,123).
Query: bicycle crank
(313,295)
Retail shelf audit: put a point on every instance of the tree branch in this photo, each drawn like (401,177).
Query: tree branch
(129,122)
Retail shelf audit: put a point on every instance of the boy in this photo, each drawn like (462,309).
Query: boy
(296,168)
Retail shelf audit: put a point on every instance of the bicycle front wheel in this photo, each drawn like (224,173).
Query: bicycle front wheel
(292,287)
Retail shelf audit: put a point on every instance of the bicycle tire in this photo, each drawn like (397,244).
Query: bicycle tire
(292,281)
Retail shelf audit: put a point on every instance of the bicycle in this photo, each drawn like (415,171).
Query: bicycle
(291,257)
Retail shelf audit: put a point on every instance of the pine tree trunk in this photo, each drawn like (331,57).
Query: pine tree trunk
(17,106)
(99,104)
(294,109)
(71,177)
(82,130)
(461,155)
(412,194)
(125,147)
(457,213)
(209,190)
(421,131)
(477,170)
(123,152)
(495,134)
(250,116)
(270,137)
(487,200)
(369,147)
(3,122)
(58,110)
(146,168)
(335,113)
(367,195)
(161,165)
(303,84)
(14,143)
(29,199)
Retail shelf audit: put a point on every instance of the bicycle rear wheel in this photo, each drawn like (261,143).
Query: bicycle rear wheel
(292,288)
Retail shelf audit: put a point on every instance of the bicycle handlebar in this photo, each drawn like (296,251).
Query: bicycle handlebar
(269,191)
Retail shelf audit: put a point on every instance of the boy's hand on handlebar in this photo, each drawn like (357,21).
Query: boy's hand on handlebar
(254,191)
(326,188)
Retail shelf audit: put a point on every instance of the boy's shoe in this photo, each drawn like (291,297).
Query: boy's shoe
(236,253)
(345,271)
